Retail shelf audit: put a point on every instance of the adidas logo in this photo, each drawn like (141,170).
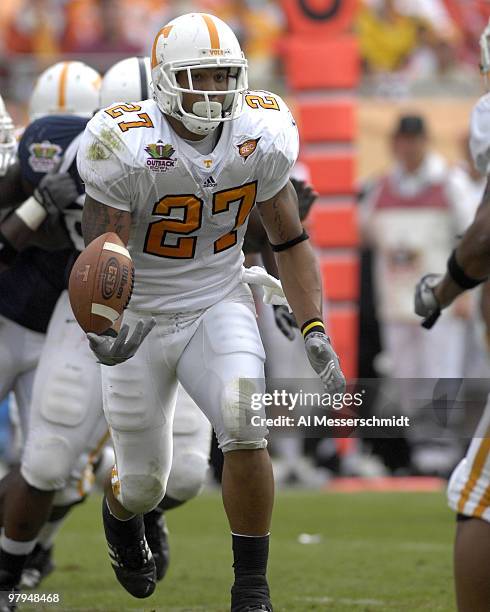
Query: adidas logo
(209,182)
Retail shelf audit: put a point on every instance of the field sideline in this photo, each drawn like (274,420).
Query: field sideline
(378,552)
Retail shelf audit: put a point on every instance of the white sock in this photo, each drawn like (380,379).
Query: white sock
(15,547)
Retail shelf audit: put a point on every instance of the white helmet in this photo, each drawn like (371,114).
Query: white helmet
(128,81)
(8,142)
(198,40)
(66,88)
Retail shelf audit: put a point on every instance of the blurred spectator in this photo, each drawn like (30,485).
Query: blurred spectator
(36,28)
(412,217)
(108,30)
(386,37)
(440,73)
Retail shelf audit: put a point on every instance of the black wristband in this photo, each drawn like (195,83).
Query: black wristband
(459,276)
(313,325)
(290,243)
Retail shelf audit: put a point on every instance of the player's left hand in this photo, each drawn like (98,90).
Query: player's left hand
(306,196)
(114,350)
(325,362)
(426,304)
(285,320)
(56,192)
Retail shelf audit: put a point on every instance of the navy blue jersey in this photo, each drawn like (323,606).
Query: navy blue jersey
(30,288)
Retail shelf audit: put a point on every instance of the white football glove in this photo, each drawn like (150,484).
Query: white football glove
(113,350)
(426,304)
(325,362)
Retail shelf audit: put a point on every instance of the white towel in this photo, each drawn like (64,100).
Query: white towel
(273,291)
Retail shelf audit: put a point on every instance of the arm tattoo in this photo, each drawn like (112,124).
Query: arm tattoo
(278,222)
(95,220)
(98,219)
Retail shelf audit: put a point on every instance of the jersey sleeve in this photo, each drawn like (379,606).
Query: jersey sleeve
(480,135)
(104,165)
(280,156)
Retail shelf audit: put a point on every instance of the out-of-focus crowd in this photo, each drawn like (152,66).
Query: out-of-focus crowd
(421,47)
(36,33)
(408,47)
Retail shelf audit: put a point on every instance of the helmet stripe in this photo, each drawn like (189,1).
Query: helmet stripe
(213,31)
(62,85)
(143,78)
(165,31)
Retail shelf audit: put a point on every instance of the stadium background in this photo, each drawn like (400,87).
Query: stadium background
(348,69)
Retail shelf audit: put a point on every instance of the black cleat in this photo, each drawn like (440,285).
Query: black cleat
(39,564)
(132,563)
(156,534)
(8,592)
(251,594)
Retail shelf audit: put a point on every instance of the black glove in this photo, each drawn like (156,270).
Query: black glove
(285,321)
(56,192)
(425,303)
(306,196)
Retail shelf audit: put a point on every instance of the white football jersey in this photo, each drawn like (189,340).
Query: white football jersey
(189,211)
(480,135)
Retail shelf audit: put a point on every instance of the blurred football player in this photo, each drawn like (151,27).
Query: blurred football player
(58,428)
(176,177)
(469,266)
(43,188)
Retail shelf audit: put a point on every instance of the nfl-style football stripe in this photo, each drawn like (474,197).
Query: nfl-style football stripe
(213,31)
(104,311)
(143,79)
(62,85)
(116,248)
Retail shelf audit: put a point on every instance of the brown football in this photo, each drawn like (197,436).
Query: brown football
(101,282)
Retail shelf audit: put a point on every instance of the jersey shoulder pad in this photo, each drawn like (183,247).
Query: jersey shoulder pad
(43,143)
(123,127)
(480,134)
(267,113)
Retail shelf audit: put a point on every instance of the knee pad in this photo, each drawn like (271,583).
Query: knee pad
(47,463)
(240,430)
(187,475)
(138,493)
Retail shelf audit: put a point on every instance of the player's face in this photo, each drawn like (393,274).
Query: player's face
(410,150)
(205,79)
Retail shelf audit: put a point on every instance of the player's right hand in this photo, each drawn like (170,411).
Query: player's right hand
(111,350)
(56,192)
(325,362)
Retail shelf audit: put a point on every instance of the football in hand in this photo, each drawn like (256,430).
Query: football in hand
(101,282)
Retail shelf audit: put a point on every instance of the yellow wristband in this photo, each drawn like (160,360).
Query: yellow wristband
(311,325)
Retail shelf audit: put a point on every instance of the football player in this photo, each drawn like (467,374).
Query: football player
(176,177)
(469,266)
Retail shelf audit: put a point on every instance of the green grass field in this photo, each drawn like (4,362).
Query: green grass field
(378,552)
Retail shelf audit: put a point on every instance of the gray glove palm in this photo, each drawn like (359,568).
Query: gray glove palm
(56,192)
(114,350)
(325,362)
